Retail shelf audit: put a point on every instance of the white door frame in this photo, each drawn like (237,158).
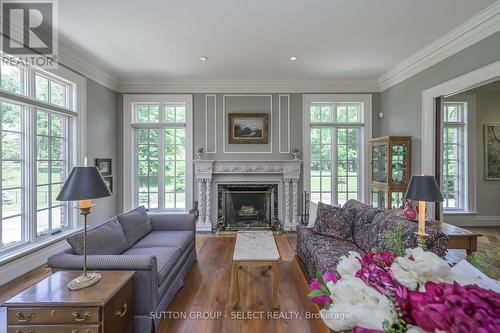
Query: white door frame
(459,84)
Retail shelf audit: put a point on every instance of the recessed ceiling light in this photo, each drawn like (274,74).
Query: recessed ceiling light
(203,59)
(293,58)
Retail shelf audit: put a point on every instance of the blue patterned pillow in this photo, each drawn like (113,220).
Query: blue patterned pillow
(334,221)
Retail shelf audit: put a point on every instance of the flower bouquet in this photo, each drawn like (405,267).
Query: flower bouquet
(417,292)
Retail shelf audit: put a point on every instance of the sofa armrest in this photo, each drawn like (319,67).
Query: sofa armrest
(68,261)
(172,222)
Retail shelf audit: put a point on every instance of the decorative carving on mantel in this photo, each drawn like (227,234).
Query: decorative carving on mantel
(289,168)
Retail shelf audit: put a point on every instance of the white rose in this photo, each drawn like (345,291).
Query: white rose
(356,304)
(424,266)
(349,265)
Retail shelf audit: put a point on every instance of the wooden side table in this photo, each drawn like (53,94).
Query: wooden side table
(458,238)
(50,307)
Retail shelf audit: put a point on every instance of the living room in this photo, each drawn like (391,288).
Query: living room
(232,166)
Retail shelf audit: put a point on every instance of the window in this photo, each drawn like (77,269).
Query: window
(454,155)
(38,147)
(161,132)
(334,148)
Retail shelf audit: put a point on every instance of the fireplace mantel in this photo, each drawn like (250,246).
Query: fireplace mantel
(287,170)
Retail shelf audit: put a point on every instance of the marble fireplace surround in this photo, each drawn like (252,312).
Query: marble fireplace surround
(210,173)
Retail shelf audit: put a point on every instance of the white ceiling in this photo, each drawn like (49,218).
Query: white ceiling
(334,40)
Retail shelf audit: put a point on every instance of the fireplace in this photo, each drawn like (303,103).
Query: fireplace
(247,206)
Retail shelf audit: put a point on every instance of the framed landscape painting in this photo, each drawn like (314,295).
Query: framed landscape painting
(492,151)
(248,128)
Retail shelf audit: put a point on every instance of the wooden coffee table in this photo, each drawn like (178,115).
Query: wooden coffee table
(458,238)
(255,248)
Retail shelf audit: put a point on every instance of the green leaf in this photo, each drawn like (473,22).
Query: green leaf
(317,293)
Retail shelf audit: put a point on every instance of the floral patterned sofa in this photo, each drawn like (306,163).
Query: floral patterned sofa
(322,253)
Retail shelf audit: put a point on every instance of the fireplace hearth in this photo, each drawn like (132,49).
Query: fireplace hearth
(247,206)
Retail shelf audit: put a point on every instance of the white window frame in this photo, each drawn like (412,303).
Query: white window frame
(76,110)
(129,144)
(468,161)
(365,135)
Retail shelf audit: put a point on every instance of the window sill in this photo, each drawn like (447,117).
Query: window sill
(33,247)
(459,213)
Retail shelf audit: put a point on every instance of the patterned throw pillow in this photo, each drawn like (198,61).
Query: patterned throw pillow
(334,221)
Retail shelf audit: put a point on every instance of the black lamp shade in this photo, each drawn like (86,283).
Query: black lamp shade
(424,188)
(84,183)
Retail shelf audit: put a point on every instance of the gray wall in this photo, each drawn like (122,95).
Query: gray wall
(402,103)
(102,136)
(205,131)
(488,192)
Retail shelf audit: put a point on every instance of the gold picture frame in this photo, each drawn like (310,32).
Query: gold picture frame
(248,128)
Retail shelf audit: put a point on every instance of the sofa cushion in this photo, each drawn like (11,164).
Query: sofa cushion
(106,238)
(334,221)
(181,239)
(135,224)
(166,257)
(321,253)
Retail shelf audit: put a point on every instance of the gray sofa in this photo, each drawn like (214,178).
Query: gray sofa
(159,247)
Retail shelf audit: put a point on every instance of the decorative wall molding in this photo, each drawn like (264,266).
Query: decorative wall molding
(214,124)
(287,151)
(225,126)
(482,25)
(86,64)
(245,86)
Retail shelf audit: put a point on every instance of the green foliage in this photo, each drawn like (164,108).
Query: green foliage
(488,262)
(394,240)
(399,325)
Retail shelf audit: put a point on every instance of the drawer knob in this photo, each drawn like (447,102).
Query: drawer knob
(81,317)
(21,317)
(121,313)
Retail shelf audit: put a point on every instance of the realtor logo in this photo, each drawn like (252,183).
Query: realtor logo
(29,32)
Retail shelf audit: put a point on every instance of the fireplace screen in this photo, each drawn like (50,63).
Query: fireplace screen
(247,206)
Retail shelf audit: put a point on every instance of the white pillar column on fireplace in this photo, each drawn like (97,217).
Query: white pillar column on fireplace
(208,215)
(287,223)
(203,174)
(295,195)
(201,201)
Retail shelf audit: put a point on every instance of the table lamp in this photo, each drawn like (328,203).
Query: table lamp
(83,184)
(423,189)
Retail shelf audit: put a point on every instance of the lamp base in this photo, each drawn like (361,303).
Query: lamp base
(84,281)
(421,238)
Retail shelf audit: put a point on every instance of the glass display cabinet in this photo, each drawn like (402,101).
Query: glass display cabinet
(390,171)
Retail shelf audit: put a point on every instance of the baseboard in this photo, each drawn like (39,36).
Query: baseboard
(473,221)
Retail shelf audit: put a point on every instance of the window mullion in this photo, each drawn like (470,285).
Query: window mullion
(334,169)
(30,174)
(161,168)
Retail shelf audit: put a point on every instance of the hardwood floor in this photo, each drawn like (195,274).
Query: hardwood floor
(207,290)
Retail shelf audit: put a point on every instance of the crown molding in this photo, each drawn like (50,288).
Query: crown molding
(482,25)
(86,64)
(244,86)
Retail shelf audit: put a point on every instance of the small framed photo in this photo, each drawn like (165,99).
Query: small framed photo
(492,151)
(104,166)
(248,128)
(109,182)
